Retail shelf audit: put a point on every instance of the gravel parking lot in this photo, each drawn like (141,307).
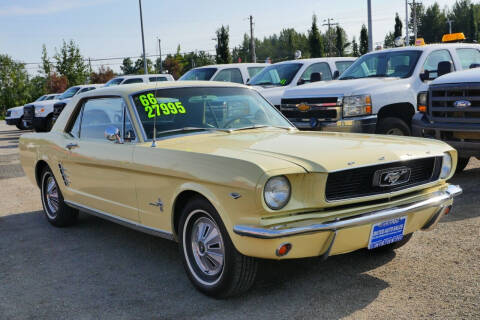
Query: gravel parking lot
(100,270)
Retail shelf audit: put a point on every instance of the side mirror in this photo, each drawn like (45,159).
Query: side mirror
(300,82)
(315,77)
(444,67)
(336,74)
(425,75)
(113,134)
(129,135)
(474,65)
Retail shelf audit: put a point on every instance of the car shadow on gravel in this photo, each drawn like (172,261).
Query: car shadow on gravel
(98,269)
(467,205)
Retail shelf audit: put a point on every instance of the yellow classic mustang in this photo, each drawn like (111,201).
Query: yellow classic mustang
(216,168)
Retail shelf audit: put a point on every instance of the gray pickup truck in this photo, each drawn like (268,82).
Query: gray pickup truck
(450,111)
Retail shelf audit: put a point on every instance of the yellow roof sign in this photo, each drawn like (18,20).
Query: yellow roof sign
(419,42)
(449,37)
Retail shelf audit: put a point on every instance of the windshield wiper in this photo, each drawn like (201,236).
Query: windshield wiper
(257,126)
(377,76)
(348,78)
(265,84)
(188,129)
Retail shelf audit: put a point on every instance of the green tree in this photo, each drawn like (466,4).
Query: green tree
(420,10)
(363,40)
(433,24)
(398,26)
(355,51)
(46,66)
(464,15)
(127,66)
(315,40)
(139,66)
(13,84)
(37,87)
(70,63)
(223,52)
(340,41)
(389,41)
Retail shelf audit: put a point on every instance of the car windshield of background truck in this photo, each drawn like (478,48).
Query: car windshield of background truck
(395,64)
(69,93)
(276,75)
(183,110)
(199,74)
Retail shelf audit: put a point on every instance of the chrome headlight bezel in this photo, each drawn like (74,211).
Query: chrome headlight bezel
(357,105)
(446,169)
(277,192)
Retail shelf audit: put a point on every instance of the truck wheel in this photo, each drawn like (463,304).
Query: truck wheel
(56,210)
(20,125)
(393,126)
(210,259)
(462,164)
(392,246)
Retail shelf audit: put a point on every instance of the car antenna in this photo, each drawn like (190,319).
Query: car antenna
(154,144)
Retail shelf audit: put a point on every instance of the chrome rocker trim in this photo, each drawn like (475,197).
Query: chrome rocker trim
(122,221)
(436,199)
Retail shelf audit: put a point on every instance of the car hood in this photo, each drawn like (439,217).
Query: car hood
(313,151)
(340,87)
(43,103)
(16,108)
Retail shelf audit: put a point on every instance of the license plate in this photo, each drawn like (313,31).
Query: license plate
(386,232)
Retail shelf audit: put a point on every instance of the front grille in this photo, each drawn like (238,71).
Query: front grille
(28,112)
(8,113)
(353,183)
(313,113)
(58,108)
(328,100)
(442,98)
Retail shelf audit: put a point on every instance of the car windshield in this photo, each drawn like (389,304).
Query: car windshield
(395,64)
(199,74)
(276,75)
(51,97)
(184,110)
(41,98)
(69,93)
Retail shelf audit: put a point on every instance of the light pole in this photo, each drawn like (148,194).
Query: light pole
(143,39)
(370,36)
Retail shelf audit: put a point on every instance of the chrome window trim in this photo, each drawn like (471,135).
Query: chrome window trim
(122,221)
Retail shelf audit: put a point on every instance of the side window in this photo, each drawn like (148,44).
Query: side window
(134,80)
(75,131)
(155,79)
(323,68)
(253,71)
(342,65)
(469,57)
(229,75)
(100,113)
(432,61)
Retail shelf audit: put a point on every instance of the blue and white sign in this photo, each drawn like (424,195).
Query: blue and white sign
(387,232)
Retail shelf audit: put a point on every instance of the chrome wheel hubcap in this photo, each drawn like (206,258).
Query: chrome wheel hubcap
(207,246)
(51,195)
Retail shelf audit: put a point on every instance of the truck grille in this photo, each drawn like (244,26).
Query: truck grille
(28,112)
(8,113)
(353,183)
(58,108)
(322,108)
(442,99)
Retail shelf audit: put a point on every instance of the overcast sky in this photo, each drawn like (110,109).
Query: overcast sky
(108,28)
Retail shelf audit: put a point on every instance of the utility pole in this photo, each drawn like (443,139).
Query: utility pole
(407,33)
(143,39)
(414,10)
(160,55)
(252,40)
(370,36)
(449,25)
(329,34)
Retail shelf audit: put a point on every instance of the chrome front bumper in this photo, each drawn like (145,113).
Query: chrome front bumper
(438,199)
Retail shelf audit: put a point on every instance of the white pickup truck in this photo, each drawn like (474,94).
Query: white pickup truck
(378,93)
(275,79)
(14,116)
(40,114)
(231,72)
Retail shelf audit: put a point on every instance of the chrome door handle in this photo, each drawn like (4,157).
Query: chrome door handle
(70,146)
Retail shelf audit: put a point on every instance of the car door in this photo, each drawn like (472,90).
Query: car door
(98,171)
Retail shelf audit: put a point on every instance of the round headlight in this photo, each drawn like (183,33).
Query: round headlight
(446,166)
(277,192)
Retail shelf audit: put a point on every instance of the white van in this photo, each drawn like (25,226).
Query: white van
(139,78)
